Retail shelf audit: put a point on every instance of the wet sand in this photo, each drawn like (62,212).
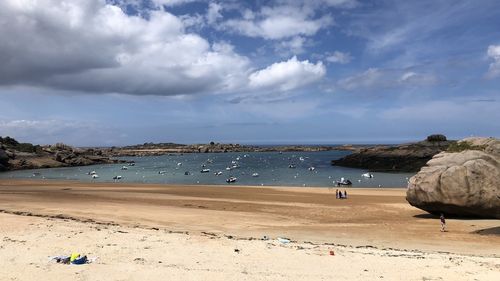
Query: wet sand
(378,221)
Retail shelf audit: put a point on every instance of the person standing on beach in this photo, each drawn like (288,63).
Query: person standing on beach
(345,194)
(337,194)
(443,223)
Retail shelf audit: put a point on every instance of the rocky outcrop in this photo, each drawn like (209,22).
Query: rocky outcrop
(18,156)
(465,182)
(400,158)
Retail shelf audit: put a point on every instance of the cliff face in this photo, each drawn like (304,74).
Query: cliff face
(16,156)
(401,158)
(463,182)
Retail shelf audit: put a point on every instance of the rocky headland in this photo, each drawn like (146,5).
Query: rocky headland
(397,158)
(463,181)
(16,156)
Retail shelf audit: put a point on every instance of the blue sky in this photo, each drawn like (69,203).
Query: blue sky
(95,72)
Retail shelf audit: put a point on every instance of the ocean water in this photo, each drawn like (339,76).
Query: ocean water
(272,168)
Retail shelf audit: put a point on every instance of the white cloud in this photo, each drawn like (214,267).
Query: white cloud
(365,79)
(278,22)
(293,46)
(339,57)
(494,54)
(50,131)
(214,12)
(287,75)
(375,78)
(65,45)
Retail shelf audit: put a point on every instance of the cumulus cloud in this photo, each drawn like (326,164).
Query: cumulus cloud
(494,54)
(339,57)
(293,46)
(88,45)
(278,22)
(287,75)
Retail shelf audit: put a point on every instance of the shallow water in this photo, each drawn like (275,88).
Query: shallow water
(272,167)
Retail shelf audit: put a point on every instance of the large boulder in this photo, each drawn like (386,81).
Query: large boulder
(465,182)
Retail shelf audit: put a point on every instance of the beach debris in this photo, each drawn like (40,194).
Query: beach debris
(237,251)
(332,253)
(74,258)
(283,240)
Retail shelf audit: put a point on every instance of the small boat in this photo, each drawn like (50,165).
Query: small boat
(205,171)
(179,164)
(301,158)
(36,174)
(95,176)
(343,182)
(186,173)
(91,173)
(228,168)
(162,172)
(235,167)
(218,173)
(117,177)
(238,158)
(234,162)
(210,161)
(231,179)
(367,175)
(292,166)
(311,169)
(255,175)
(203,165)
(124,168)
(131,164)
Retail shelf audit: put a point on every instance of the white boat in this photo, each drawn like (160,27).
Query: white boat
(117,177)
(205,171)
(228,168)
(255,175)
(292,166)
(92,173)
(124,168)
(179,164)
(301,158)
(162,172)
(218,173)
(231,179)
(95,176)
(311,169)
(367,175)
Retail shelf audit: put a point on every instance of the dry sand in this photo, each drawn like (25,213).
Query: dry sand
(158,232)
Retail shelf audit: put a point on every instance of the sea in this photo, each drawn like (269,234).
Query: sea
(300,169)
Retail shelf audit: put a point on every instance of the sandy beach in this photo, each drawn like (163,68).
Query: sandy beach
(152,232)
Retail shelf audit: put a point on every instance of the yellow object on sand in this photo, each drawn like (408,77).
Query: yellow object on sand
(74,256)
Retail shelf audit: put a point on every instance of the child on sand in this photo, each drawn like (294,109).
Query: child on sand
(443,223)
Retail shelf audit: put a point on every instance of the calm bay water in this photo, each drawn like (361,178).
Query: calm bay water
(272,168)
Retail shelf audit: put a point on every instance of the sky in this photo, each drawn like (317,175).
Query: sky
(118,72)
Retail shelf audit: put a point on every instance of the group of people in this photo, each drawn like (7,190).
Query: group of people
(340,195)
